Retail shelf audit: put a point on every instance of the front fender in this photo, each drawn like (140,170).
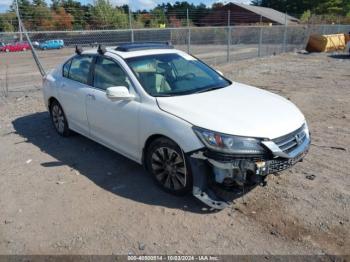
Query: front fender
(154,121)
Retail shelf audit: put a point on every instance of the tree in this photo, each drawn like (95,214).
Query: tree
(108,17)
(6,21)
(42,17)
(62,20)
(56,4)
(305,16)
(82,16)
(218,5)
(327,7)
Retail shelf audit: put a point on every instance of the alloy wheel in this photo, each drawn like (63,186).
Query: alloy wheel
(58,118)
(169,168)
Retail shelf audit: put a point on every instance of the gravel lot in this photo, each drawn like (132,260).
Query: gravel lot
(73,196)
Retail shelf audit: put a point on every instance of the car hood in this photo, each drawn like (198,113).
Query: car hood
(237,110)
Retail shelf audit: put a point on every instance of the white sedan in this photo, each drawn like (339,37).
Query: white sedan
(193,129)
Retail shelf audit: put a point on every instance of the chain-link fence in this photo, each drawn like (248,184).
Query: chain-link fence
(94,17)
(214,45)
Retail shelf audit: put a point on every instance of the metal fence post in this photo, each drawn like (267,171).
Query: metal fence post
(228,35)
(130,25)
(339,26)
(189,32)
(260,37)
(285,33)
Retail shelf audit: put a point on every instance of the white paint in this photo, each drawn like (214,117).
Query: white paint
(125,125)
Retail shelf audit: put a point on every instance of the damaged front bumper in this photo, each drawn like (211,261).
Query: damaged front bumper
(212,169)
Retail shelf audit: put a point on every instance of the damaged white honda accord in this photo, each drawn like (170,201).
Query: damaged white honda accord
(193,129)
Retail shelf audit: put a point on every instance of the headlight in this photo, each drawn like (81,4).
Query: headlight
(229,144)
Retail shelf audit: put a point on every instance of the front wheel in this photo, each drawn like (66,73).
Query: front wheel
(165,161)
(59,119)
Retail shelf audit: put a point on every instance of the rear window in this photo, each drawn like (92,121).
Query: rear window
(80,69)
(66,67)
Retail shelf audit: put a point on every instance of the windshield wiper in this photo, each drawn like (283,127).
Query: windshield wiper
(209,89)
(162,95)
(189,92)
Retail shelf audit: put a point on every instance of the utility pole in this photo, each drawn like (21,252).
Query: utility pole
(19,22)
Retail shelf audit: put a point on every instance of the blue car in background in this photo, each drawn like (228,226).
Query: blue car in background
(51,44)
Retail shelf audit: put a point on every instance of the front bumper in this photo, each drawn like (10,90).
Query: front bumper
(211,169)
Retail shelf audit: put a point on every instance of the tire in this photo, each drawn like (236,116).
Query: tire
(7,50)
(166,163)
(59,119)
(24,49)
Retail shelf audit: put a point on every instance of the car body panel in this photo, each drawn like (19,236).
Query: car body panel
(72,96)
(237,110)
(115,122)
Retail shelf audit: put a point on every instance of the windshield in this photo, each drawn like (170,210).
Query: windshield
(175,74)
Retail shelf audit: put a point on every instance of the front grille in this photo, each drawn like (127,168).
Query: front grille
(289,142)
(278,165)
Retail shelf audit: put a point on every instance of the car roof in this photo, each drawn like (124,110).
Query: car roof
(129,54)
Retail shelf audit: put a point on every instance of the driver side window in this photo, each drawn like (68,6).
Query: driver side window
(108,73)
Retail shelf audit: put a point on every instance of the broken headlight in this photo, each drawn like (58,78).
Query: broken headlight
(228,143)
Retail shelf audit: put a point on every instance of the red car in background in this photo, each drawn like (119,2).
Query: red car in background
(19,46)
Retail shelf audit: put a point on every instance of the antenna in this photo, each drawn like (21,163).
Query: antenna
(101,49)
(78,50)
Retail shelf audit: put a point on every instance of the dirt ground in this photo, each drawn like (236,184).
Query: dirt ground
(73,196)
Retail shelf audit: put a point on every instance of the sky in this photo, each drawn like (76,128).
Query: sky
(135,4)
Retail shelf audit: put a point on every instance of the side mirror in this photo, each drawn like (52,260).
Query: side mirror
(119,93)
(219,72)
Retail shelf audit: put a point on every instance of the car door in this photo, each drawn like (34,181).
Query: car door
(74,89)
(113,122)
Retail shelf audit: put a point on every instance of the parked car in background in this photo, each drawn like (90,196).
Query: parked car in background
(19,46)
(35,44)
(51,44)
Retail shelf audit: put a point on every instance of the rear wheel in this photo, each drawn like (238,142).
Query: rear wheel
(59,119)
(7,50)
(24,49)
(165,161)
